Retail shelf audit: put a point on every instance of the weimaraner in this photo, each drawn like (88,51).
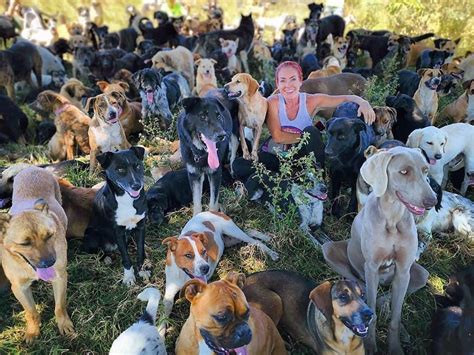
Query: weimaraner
(383,242)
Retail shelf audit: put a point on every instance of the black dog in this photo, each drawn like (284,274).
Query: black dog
(120,209)
(204,129)
(432,58)
(13,121)
(408,82)
(409,117)
(348,137)
(315,10)
(160,93)
(333,24)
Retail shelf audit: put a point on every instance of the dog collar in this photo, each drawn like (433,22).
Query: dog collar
(61,109)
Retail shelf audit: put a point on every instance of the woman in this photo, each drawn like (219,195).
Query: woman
(289,116)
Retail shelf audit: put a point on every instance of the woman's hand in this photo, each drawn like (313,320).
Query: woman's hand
(366,111)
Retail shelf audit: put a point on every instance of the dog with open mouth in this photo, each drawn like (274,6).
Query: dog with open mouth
(106,133)
(204,129)
(194,254)
(330,318)
(34,246)
(426,97)
(120,209)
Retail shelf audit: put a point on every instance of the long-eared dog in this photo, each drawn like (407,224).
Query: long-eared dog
(194,254)
(120,209)
(204,129)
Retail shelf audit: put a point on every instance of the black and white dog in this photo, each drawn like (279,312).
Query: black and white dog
(204,129)
(160,92)
(142,337)
(120,209)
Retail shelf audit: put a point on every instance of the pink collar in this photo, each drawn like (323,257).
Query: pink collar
(61,109)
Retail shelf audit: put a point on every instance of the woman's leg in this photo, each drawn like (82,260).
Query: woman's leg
(313,144)
(243,168)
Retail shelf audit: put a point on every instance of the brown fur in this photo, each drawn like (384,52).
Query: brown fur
(457,110)
(36,232)
(7,79)
(179,59)
(385,117)
(324,73)
(74,90)
(206,77)
(426,99)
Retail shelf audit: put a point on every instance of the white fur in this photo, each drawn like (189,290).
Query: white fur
(108,136)
(126,215)
(470,109)
(128,277)
(309,207)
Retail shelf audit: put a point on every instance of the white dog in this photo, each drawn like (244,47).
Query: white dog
(142,337)
(441,145)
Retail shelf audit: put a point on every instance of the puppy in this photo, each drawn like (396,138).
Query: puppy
(71,123)
(252,110)
(426,97)
(75,91)
(221,321)
(441,145)
(461,110)
(206,77)
(178,60)
(105,130)
(198,249)
(229,48)
(331,318)
(142,336)
(204,129)
(34,246)
(120,209)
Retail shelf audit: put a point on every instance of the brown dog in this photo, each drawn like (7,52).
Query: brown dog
(221,320)
(331,318)
(105,130)
(71,124)
(461,110)
(385,117)
(426,97)
(131,115)
(34,246)
(179,59)
(74,90)
(206,77)
(252,111)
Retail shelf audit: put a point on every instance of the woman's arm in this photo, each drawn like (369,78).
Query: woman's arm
(328,101)
(273,124)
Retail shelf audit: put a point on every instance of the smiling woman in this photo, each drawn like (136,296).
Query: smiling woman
(290,115)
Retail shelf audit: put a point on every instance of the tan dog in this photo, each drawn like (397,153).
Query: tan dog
(383,244)
(74,90)
(261,52)
(461,110)
(71,124)
(105,130)
(34,246)
(252,111)
(339,50)
(222,321)
(96,13)
(206,77)
(324,73)
(131,115)
(74,29)
(426,97)
(179,59)
(229,48)
(385,117)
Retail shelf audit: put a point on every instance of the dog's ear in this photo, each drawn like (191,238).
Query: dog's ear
(321,297)
(171,242)
(421,72)
(203,238)
(102,85)
(104,159)
(123,85)
(89,108)
(213,61)
(253,86)
(70,90)
(236,278)
(371,150)
(41,205)
(374,172)
(467,84)
(393,113)
(198,61)
(138,151)
(221,41)
(189,102)
(4,221)
(414,139)
(192,288)
(136,78)
(457,40)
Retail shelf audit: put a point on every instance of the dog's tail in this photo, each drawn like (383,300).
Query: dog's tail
(422,37)
(153,296)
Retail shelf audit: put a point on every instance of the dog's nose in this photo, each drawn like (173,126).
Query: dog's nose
(136,186)
(328,151)
(226,88)
(221,136)
(323,189)
(438,156)
(204,269)
(430,201)
(45,263)
(367,314)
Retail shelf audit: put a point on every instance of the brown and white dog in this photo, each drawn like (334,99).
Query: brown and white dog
(105,130)
(198,249)
(461,110)
(222,322)
(34,246)
(206,77)
(229,48)
(426,97)
(385,117)
(252,111)
(71,124)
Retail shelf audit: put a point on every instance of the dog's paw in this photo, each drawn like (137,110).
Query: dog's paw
(31,335)
(108,260)
(145,275)
(65,326)
(128,277)
(274,255)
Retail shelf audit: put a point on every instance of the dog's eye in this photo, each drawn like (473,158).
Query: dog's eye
(429,143)
(48,237)
(25,243)
(403,172)
(137,166)
(121,170)
(341,138)
(343,297)
(189,256)
(203,117)
(237,81)
(221,318)
(425,171)
(219,117)
(442,143)
(204,252)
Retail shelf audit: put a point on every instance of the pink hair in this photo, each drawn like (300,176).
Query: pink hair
(289,64)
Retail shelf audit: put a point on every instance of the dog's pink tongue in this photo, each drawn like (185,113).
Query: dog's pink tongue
(241,351)
(149,97)
(134,193)
(46,274)
(432,161)
(212,158)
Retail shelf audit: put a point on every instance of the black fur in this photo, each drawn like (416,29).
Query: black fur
(309,63)
(431,58)
(13,121)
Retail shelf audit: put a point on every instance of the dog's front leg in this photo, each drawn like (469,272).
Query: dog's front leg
(196,181)
(24,295)
(60,308)
(214,185)
(257,132)
(399,290)
(372,282)
(128,272)
(173,286)
(243,144)
(233,147)
(244,58)
(69,142)
(139,234)
(92,162)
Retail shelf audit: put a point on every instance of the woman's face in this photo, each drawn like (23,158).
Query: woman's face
(289,83)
